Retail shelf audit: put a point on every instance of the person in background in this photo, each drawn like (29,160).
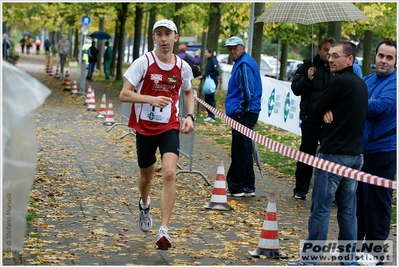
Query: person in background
(107,61)
(6,46)
(38,43)
(213,70)
(356,66)
(310,80)
(63,50)
(47,46)
(93,53)
(28,43)
(243,104)
(374,203)
(22,42)
(153,84)
(182,53)
(343,108)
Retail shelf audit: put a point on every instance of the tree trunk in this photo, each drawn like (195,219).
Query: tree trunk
(177,21)
(214,26)
(121,46)
(258,33)
(283,60)
(116,45)
(138,23)
(76,46)
(100,47)
(368,54)
(150,42)
(334,29)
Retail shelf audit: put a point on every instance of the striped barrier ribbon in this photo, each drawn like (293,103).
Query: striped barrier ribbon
(301,156)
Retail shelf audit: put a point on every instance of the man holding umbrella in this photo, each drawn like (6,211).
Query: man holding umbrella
(309,81)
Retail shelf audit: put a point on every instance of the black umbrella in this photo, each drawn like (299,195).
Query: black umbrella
(24,33)
(100,35)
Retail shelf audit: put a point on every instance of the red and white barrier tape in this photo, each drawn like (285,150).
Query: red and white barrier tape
(301,156)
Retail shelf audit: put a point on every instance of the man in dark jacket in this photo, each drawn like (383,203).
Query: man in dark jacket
(309,81)
(343,108)
(92,60)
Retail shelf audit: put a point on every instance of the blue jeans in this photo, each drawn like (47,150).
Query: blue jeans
(91,70)
(326,187)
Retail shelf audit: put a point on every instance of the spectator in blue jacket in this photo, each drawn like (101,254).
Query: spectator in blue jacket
(243,104)
(374,203)
(356,67)
(213,70)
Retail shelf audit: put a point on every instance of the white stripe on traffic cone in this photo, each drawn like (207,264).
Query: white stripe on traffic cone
(219,197)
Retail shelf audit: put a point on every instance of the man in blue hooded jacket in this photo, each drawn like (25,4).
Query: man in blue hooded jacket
(243,104)
(374,203)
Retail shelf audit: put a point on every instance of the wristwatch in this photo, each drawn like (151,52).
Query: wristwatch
(192,116)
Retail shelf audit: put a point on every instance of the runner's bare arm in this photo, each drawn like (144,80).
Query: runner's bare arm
(129,95)
(188,124)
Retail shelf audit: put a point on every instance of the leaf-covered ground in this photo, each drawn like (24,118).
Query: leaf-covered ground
(85,196)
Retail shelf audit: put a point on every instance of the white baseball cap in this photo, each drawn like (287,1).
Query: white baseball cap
(165,23)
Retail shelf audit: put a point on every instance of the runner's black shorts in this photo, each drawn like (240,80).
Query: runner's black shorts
(168,142)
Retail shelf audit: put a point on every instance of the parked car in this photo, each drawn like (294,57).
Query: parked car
(269,66)
(223,58)
(292,66)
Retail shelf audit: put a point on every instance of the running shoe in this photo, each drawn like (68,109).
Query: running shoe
(163,239)
(145,221)
(209,119)
(235,195)
(249,192)
(299,197)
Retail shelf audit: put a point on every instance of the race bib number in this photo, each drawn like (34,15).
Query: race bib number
(155,114)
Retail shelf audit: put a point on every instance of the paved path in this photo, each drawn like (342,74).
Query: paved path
(86,194)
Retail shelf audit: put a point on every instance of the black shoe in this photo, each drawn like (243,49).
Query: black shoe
(299,197)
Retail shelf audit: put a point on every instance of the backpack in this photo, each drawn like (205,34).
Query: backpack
(195,68)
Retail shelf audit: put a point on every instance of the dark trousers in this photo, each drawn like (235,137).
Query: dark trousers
(311,132)
(107,69)
(62,63)
(241,172)
(91,70)
(210,99)
(374,203)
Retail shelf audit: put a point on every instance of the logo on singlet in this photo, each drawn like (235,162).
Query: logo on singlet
(172,79)
(151,116)
(156,77)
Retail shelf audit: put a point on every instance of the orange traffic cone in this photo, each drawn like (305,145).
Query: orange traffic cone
(219,197)
(92,103)
(57,74)
(67,82)
(102,113)
(268,243)
(74,87)
(109,120)
(88,95)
